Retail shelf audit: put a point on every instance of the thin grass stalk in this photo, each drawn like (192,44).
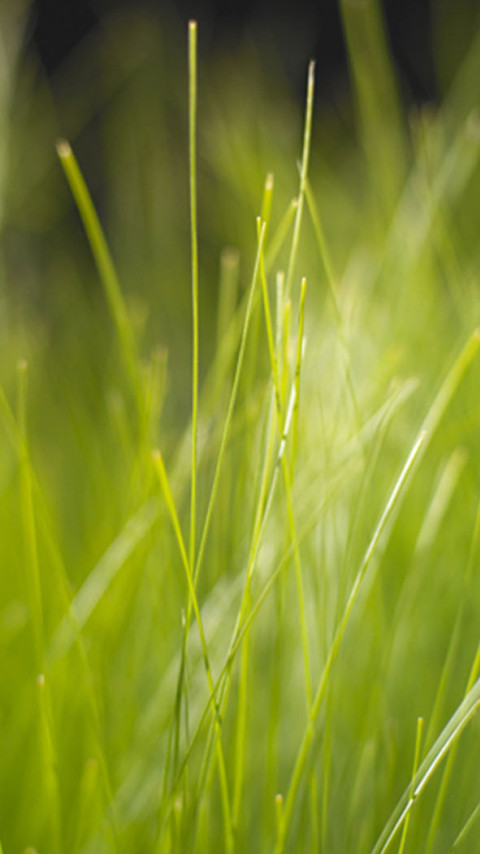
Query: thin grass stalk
(169,500)
(192,139)
(307,139)
(105,266)
(338,637)
(416,756)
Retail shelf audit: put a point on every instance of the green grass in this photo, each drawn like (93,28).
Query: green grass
(240,469)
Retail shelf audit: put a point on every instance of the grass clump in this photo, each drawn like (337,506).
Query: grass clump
(238,605)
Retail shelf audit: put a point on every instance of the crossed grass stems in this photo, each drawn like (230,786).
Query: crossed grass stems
(282,426)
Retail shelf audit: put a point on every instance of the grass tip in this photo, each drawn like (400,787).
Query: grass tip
(22,366)
(63,149)
(192,25)
(269,181)
(279,811)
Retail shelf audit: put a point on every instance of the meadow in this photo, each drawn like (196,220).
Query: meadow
(240,467)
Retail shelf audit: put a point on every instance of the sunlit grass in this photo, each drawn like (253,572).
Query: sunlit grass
(239,481)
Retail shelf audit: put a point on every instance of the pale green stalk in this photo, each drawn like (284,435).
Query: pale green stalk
(416,756)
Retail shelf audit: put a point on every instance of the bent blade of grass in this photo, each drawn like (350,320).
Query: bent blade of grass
(338,637)
(444,743)
(104,262)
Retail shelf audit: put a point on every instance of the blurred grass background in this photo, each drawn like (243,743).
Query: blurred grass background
(394,189)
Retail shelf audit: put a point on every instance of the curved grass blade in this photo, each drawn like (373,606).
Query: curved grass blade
(440,749)
(104,262)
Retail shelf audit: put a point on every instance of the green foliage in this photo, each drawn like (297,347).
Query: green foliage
(239,479)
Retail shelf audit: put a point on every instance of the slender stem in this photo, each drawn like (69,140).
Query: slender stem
(192,136)
(307,138)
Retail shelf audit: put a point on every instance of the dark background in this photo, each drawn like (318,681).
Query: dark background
(297,30)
